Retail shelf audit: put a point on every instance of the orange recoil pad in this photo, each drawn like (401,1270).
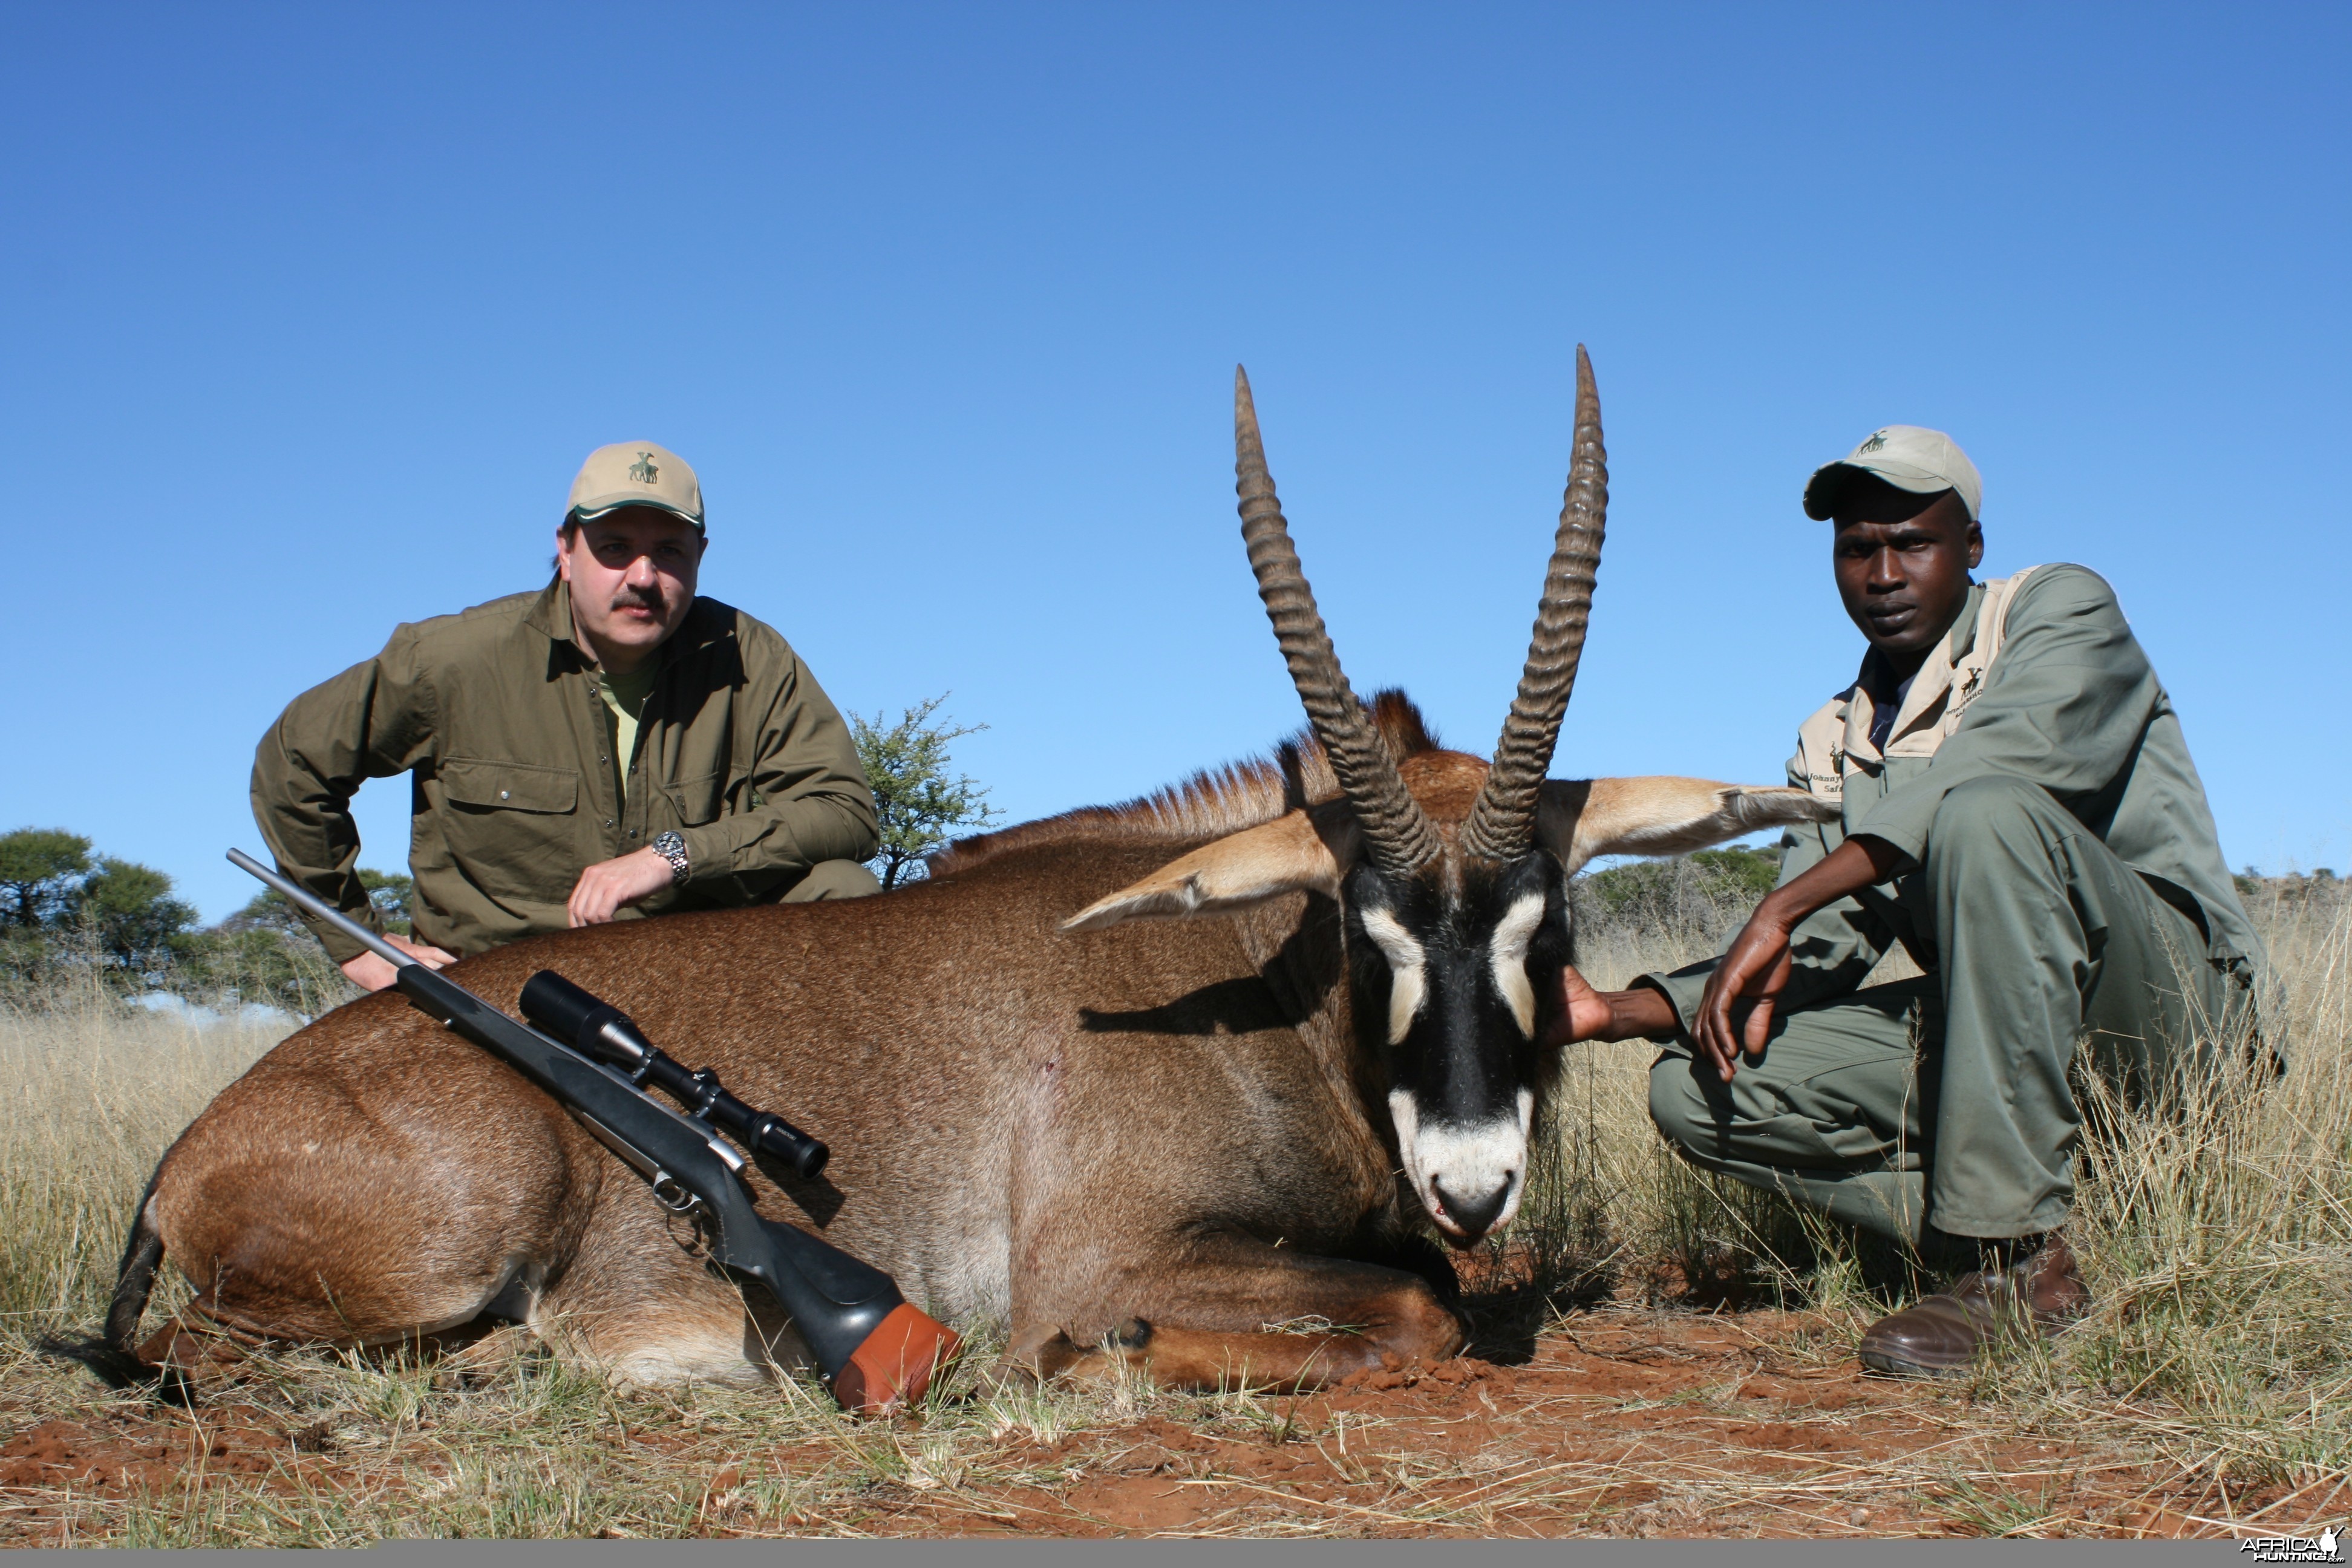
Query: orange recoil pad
(896,1363)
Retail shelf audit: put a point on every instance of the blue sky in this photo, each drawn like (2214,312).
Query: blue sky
(316,309)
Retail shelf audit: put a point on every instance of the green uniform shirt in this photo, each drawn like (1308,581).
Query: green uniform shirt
(625,695)
(499,718)
(2068,701)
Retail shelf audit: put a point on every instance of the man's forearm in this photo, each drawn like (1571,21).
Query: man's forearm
(1858,863)
(783,835)
(1640,1013)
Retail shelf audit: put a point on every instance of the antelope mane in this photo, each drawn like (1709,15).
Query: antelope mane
(1214,803)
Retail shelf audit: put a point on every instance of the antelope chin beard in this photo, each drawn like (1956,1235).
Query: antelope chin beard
(1470,1179)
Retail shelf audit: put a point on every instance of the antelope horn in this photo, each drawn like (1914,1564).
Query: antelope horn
(1397,832)
(1501,825)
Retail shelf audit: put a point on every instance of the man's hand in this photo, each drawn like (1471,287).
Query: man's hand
(611,884)
(1755,968)
(1585,1013)
(1750,976)
(370,972)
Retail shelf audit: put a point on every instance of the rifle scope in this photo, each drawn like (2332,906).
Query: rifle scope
(603,1031)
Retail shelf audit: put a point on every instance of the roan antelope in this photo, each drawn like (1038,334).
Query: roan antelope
(1131,1142)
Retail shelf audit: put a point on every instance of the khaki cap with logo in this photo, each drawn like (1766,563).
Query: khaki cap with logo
(635,473)
(1906,457)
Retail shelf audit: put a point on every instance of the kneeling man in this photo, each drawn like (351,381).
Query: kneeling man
(2021,812)
(608,747)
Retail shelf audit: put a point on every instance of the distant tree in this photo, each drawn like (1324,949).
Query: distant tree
(1736,874)
(1753,871)
(40,867)
(266,910)
(389,892)
(129,908)
(920,805)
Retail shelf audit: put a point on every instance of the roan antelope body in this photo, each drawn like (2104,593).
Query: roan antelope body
(1128,1140)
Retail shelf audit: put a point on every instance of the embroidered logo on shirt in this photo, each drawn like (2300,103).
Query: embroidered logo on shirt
(644,470)
(1967,692)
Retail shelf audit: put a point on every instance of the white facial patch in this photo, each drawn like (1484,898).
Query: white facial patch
(1408,984)
(1470,1164)
(1508,956)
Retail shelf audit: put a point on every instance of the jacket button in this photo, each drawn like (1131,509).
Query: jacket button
(502,794)
(608,822)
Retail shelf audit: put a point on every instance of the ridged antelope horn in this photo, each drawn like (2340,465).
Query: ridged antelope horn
(1502,821)
(1396,830)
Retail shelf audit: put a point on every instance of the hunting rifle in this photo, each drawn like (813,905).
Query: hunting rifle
(876,1349)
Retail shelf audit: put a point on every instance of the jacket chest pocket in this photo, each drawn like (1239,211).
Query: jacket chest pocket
(513,827)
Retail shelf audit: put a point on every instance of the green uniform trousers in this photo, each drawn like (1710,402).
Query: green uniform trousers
(1942,1101)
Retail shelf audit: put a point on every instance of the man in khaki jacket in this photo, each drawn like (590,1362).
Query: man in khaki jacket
(609,747)
(2020,812)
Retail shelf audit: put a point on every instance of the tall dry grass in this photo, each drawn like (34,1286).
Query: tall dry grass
(101,1089)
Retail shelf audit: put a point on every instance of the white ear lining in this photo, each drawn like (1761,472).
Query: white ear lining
(1662,814)
(1285,856)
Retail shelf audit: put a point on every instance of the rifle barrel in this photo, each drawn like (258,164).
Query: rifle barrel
(310,903)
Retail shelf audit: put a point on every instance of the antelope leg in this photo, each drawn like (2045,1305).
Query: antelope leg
(1233,1310)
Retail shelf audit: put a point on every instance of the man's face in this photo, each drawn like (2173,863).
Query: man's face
(632,573)
(1903,563)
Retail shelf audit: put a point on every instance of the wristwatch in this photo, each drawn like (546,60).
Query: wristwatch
(672,849)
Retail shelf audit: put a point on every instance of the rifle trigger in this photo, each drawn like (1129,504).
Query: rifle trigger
(672,1194)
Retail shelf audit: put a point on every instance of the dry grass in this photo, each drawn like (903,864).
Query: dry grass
(2217,1360)
(101,1090)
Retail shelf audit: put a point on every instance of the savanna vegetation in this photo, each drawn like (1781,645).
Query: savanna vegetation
(2207,1393)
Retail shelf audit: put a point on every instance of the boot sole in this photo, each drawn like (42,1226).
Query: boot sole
(1900,1366)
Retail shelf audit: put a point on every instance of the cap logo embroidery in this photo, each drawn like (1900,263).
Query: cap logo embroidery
(1877,439)
(644,470)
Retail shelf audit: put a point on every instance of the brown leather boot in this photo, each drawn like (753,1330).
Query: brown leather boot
(1940,1335)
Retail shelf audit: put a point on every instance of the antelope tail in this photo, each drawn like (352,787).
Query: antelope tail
(143,1255)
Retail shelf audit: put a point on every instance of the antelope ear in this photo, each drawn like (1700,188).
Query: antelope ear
(1285,856)
(1661,815)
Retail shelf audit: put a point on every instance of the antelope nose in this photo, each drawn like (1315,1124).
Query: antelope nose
(1473,1213)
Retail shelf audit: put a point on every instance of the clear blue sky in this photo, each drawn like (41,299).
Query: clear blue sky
(314,311)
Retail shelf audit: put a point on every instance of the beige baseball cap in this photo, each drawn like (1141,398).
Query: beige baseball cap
(635,473)
(1906,457)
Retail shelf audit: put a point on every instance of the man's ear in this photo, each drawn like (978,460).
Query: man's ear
(1976,545)
(1289,855)
(1661,815)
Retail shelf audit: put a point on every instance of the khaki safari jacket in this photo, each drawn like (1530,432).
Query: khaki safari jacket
(2041,679)
(495,713)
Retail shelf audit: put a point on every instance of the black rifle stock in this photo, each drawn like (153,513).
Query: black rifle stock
(875,1349)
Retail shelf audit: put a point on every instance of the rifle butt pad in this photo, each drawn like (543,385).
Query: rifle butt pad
(896,1363)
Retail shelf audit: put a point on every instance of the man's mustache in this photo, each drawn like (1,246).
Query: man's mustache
(638,599)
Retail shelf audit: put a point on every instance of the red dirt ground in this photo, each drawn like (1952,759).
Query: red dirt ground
(1623,1422)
